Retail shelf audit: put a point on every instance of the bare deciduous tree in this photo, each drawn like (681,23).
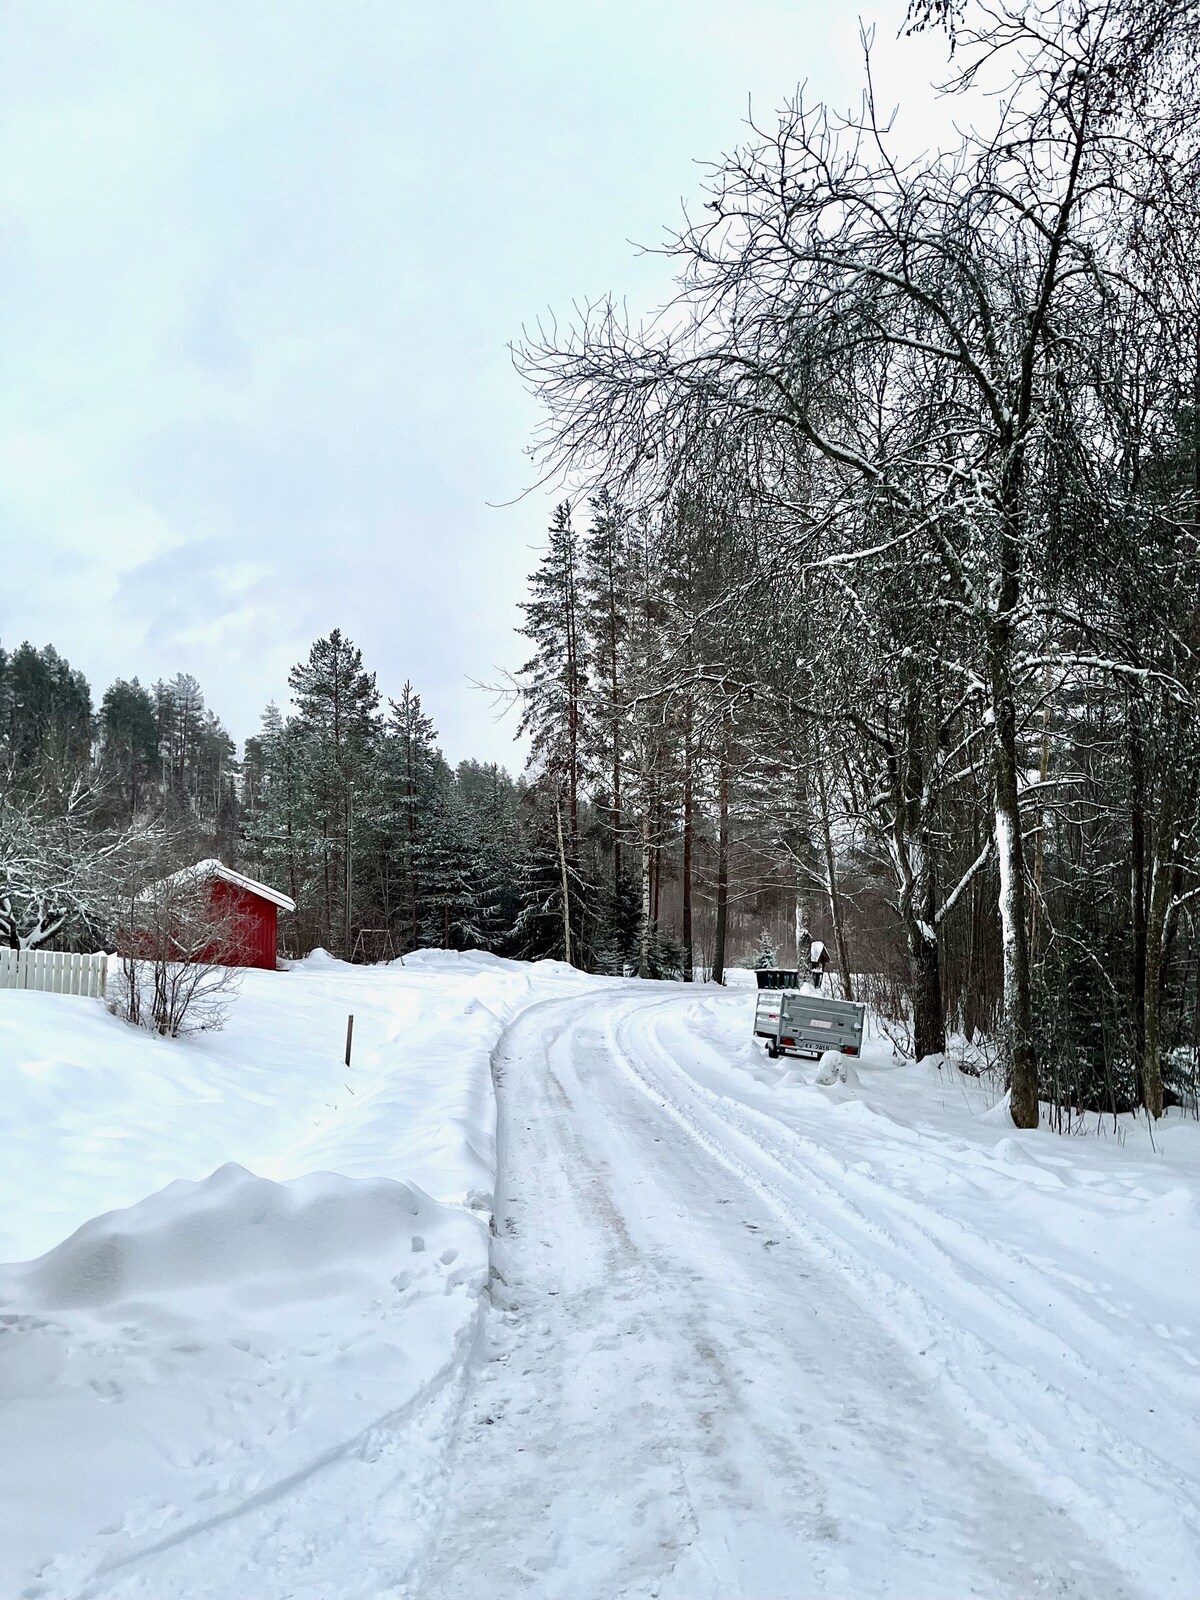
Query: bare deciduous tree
(174,948)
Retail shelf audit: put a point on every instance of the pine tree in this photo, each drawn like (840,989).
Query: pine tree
(648,727)
(128,743)
(608,599)
(49,718)
(555,898)
(256,762)
(336,700)
(215,768)
(179,707)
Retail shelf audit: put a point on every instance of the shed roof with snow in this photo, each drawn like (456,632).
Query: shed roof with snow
(212,868)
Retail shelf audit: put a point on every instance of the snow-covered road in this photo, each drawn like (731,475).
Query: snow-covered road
(697,1389)
(746,1336)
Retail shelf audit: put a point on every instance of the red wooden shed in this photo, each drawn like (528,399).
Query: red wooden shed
(249,907)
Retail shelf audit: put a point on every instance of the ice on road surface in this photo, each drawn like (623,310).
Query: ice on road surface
(735,1334)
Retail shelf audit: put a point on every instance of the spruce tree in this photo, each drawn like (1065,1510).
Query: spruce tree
(412,768)
(554,679)
(282,834)
(490,799)
(448,865)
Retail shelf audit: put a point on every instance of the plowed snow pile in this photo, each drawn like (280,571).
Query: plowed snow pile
(188,1358)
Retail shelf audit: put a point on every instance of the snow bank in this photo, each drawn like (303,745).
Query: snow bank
(214,1236)
(167,1362)
(294,1296)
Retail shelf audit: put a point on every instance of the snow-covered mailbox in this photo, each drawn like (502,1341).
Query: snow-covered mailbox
(245,911)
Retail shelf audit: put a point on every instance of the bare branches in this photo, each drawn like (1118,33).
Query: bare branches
(59,870)
(949,409)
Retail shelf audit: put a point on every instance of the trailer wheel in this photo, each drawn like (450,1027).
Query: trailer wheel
(773,1050)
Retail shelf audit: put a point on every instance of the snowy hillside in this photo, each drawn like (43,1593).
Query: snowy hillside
(747,1335)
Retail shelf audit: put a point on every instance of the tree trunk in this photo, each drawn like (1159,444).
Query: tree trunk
(573,684)
(562,867)
(328,928)
(1039,849)
(839,940)
(1158,903)
(688,958)
(617,822)
(645,924)
(833,893)
(1018,996)
(1137,894)
(929,1016)
(349,884)
(614,693)
(718,970)
(293,882)
(802,908)
(656,870)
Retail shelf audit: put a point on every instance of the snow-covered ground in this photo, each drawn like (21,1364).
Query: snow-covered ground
(748,1336)
(290,1293)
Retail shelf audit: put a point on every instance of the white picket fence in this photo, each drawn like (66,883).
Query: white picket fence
(57,971)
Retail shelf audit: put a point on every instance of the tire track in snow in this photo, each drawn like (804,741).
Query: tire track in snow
(755,1442)
(1143,1502)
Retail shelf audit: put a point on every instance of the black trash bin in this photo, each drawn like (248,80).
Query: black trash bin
(777,978)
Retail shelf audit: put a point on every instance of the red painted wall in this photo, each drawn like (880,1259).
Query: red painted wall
(258,926)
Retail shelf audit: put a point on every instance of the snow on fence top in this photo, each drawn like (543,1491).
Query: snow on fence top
(212,868)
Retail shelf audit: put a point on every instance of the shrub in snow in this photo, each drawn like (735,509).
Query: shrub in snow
(168,980)
(765,957)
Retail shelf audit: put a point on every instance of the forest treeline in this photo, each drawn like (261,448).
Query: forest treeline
(345,802)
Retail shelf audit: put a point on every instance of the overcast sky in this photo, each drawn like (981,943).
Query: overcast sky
(259,263)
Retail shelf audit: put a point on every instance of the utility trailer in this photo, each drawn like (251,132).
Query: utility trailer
(799,1022)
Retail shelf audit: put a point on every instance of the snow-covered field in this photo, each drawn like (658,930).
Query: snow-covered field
(296,1272)
(747,1336)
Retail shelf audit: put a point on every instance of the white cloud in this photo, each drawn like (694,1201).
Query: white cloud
(258,266)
